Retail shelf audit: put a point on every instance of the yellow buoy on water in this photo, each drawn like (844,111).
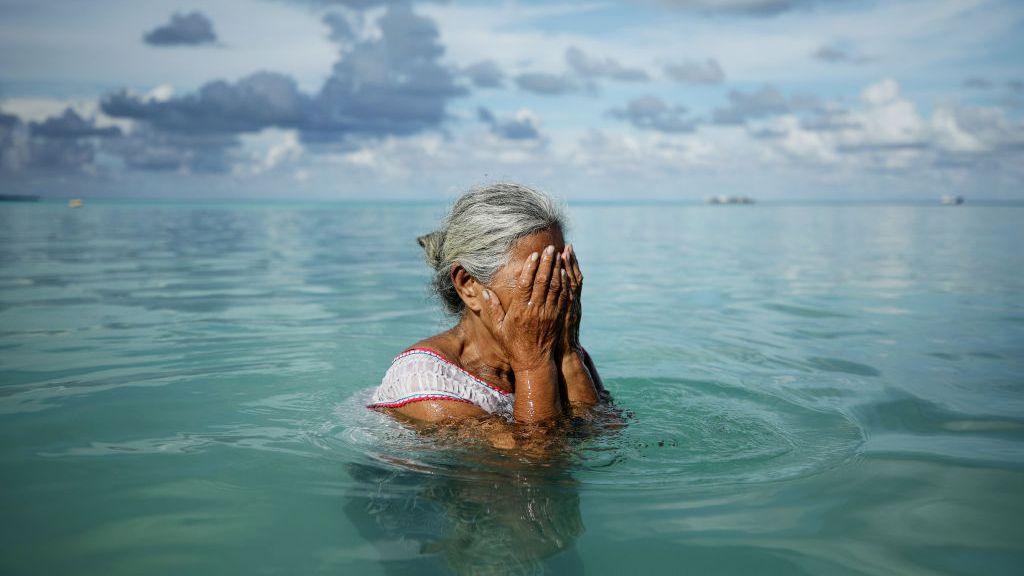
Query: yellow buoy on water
(75,203)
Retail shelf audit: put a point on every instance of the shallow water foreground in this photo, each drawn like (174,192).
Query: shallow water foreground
(815,390)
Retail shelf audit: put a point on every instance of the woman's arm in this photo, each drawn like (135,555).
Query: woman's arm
(603,394)
(528,331)
(580,387)
(580,380)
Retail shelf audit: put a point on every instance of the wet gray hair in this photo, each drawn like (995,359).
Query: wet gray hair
(479,233)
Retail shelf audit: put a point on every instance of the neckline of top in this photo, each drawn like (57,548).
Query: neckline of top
(437,354)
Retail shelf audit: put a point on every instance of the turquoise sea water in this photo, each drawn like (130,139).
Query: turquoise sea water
(814,390)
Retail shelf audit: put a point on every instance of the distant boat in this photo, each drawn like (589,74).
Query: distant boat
(75,203)
(19,198)
(723,199)
(951,200)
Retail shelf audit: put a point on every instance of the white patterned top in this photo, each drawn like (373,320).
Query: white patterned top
(422,374)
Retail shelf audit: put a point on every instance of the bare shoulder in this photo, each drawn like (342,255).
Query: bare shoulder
(445,343)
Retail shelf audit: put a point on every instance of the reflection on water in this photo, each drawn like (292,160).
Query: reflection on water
(441,498)
(478,521)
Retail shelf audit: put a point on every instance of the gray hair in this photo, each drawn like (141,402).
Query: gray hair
(479,233)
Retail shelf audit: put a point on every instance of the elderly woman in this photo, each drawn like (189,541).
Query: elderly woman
(502,265)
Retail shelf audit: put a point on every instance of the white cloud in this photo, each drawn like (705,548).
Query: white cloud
(889,132)
(949,135)
(161,93)
(287,150)
(881,93)
(887,119)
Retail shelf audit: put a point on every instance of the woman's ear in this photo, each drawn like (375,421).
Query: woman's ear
(468,288)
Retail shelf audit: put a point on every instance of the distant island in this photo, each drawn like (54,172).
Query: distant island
(723,199)
(18,198)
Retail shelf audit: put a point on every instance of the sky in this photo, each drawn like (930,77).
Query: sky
(643,99)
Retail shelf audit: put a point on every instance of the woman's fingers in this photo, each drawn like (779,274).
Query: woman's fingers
(557,281)
(567,265)
(563,293)
(526,277)
(575,269)
(493,312)
(543,277)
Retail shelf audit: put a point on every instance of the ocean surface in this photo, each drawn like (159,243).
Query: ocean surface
(822,389)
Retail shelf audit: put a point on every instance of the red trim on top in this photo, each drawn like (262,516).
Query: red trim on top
(442,358)
(419,399)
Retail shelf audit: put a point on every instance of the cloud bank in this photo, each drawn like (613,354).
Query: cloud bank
(416,99)
(387,84)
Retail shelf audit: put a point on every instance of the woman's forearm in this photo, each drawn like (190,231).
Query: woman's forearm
(580,388)
(537,394)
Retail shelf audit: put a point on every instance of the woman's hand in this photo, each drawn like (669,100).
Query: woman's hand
(529,331)
(571,327)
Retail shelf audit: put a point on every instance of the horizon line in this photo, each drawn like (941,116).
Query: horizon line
(36,198)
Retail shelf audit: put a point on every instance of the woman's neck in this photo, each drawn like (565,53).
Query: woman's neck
(478,352)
